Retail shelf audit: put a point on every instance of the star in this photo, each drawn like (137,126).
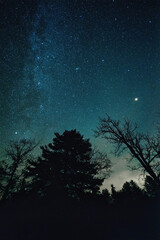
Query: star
(68,72)
(77,68)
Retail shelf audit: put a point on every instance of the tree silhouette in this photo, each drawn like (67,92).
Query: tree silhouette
(114,193)
(12,170)
(66,166)
(106,196)
(151,188)
(141,147)
(131,192)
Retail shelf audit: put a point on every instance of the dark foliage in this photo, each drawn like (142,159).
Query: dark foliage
(67,171)
(151,188)
(66,167)
(93,218)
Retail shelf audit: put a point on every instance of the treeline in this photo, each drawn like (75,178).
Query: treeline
(68,167)
(57,195)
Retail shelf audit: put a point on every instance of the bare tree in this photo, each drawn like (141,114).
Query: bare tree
(12,170)
(103,163)
(141,147)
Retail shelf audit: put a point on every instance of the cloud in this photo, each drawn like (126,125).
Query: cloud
(121,174)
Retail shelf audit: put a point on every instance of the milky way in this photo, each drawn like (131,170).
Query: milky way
(65,63)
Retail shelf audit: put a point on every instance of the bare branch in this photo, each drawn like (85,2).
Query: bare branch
(125,137)
(19,154)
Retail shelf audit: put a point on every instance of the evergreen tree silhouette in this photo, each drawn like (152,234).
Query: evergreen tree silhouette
(151,188)
(66,166)
(131,192)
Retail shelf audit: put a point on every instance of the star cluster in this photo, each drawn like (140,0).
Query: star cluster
(65,63)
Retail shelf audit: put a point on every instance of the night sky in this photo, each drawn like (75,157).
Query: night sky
(64,64)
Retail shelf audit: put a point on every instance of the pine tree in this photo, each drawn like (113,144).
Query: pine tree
(66,166)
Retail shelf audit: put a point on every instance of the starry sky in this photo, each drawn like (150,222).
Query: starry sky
(65,63)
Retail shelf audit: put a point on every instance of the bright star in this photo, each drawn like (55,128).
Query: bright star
(77,68)
(136,99)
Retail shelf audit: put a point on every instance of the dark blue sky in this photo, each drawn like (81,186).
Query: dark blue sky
(65,63)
